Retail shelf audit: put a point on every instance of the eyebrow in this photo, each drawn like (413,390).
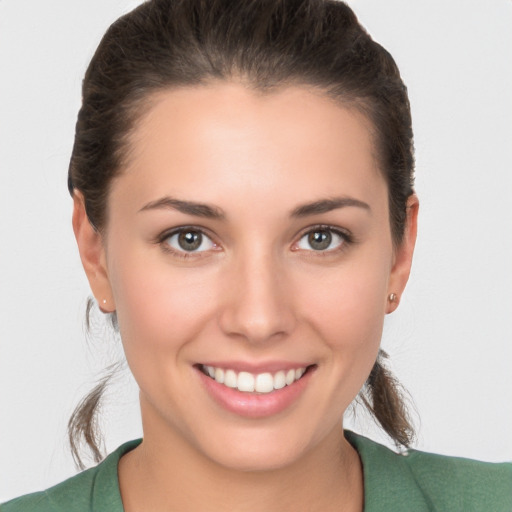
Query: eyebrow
(187,207)
(327,205)
(212,212)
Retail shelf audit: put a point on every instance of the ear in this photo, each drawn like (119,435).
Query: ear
(92,254)
(402,260)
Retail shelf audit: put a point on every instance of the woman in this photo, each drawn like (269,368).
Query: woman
(242,182)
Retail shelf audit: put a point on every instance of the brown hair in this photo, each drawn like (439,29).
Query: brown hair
(164,44)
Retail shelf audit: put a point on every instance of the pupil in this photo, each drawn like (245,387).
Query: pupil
(320,240)
(190,240)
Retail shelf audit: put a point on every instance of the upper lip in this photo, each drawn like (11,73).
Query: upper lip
(255,368)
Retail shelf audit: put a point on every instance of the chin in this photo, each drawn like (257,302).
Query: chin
(259,450)
(258,460)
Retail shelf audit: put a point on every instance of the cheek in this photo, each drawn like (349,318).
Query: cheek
(158,307)
(347,309)
(349,300)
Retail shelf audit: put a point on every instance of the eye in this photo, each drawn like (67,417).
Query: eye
(189,240)
(322,239)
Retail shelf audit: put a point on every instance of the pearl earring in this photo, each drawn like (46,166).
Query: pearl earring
(392,297)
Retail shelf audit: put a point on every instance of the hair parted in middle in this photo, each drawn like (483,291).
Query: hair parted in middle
(266,45)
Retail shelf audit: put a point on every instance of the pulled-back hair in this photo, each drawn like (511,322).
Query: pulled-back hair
(266,45)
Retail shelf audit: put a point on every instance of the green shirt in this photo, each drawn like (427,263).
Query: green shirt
(412,482)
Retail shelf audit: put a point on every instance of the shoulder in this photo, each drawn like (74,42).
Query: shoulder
(96,488)
(470,484)
(72,494)
(418,481)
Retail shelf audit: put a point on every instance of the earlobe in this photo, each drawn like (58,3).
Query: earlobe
(92,254)
(402,261)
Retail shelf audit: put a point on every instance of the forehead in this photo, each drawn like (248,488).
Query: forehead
(295,139)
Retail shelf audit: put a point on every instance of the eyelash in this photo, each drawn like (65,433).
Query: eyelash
(347,240)
(164,237)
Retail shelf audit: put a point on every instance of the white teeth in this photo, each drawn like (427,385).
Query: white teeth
(260,383)
(279,380)
(219,375)
(264,383)
(230,379)
(245,382)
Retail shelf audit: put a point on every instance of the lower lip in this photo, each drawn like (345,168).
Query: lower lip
(254,405)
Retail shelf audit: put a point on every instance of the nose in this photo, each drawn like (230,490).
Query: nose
(257,299)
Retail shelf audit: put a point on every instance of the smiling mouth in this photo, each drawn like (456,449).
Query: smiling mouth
(255,383)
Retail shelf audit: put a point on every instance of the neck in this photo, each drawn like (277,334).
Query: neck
(165,473)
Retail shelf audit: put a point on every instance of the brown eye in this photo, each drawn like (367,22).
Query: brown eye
(321,239)
(189,240)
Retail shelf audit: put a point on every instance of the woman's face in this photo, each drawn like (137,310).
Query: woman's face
(248,238)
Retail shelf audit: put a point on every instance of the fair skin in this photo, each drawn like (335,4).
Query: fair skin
(285,262)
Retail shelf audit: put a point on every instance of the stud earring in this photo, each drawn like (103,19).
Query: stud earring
(104,301)
(392,297)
